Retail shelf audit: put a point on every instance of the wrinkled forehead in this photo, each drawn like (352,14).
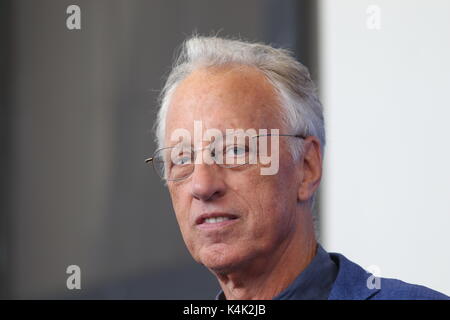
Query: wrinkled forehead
(224,98)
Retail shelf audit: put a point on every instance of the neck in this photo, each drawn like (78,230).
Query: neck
(265,278)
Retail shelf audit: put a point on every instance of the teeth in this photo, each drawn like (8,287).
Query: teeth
(216,220)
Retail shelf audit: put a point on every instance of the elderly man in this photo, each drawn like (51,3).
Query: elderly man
(253,229)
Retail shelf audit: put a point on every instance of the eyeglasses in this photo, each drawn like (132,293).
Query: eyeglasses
(178,162)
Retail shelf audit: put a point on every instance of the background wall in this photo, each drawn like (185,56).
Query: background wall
(76,116)
(386,195)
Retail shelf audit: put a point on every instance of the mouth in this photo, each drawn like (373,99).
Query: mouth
(215,220)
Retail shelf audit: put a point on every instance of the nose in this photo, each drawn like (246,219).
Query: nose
(207,182)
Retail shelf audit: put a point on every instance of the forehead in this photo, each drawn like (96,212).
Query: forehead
(237,97)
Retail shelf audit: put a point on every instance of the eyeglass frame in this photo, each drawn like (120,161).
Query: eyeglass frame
(151,159)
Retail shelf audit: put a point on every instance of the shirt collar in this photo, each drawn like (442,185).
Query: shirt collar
(313,283)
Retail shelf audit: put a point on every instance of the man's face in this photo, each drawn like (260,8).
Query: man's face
(263,208)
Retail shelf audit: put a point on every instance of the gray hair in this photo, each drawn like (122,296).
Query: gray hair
(302,110)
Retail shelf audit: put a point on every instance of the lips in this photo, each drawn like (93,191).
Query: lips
(214,217)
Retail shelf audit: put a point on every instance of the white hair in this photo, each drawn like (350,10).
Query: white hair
(302,110)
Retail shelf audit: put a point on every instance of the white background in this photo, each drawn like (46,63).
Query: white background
(386,185)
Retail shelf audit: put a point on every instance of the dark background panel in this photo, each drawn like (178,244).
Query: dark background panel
(77,108)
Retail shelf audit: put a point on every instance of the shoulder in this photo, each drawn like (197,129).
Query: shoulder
(355,283)
(397,289)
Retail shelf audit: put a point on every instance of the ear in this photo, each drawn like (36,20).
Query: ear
(311,168)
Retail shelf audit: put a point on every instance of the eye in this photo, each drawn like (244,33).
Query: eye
(182,159)
(235,150)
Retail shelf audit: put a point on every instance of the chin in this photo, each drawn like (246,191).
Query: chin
(220,258)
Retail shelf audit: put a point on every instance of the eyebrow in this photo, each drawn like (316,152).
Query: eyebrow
(180,143)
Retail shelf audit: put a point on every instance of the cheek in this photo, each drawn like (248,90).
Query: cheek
(180,206)
(273,200)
